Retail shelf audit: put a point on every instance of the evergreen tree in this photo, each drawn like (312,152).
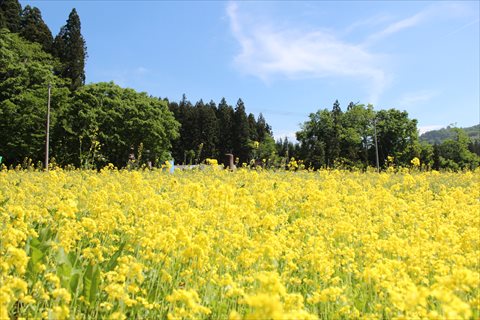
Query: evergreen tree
(314,138)
(225,115)
(241,132)
(10,11)
(335,137)
(187,121)
(252,128)
(69,46)
(208,128)
(263,129)
(34,29)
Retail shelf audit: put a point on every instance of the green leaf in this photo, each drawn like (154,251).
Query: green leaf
(112,263)
(73,285)
(62,257)
(36,255)
(91,282)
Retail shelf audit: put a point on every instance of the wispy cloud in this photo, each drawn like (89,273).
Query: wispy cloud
(271,50)
(436,11)
(471,23)
(268,51)
(398,26)
(414,98)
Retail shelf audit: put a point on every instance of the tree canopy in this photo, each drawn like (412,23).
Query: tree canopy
(69,46)
(25,73)
(336,138)
(34,29)
(95,124)
(10,12)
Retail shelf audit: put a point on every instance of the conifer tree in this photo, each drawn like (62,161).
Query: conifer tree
(263,129)
(10,11)
(69,46)
(225,123)
(34,29)
(336,131)
(207,125)
(252,127)
(241,132)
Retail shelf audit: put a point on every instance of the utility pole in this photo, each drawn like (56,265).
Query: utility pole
(376,143)
(47,129)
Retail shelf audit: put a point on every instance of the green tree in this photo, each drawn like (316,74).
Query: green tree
(397,136)
(263,129)
(25,73)
(225,115)
(204,129)
(34,29)
(454,153)
(241,133)
(252,128)
(208,129)
(427,155)
(334,139)
(10,11)
(314,137)
(356,135)
(266,149)
(117,120)
(69,46)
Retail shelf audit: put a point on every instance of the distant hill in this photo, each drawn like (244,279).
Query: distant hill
(440,135)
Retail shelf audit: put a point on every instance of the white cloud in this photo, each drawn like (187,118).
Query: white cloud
(398,26)
(268,51)
(414,98)
(424,129)
(471,23)
(290,135)
(437,11)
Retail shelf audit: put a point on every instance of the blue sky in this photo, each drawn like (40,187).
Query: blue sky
(288,59)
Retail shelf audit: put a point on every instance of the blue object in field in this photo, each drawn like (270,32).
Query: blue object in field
(172,165)
(1,159)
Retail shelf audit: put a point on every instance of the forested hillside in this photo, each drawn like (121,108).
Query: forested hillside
(440,135)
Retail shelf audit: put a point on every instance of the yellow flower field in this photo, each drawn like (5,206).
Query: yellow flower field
(247,244)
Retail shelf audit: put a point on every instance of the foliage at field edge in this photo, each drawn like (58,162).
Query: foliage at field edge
(96,124)
(247,244)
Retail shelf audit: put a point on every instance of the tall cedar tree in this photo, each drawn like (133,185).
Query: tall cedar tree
(10,11)
(335,139)
(241,131)
(34,29)
(252,128)
(263,129)
(207,124)
(225,115)
(69,46)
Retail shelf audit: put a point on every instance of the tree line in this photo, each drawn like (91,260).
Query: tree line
(211,131)
(352,138)
(100,123)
